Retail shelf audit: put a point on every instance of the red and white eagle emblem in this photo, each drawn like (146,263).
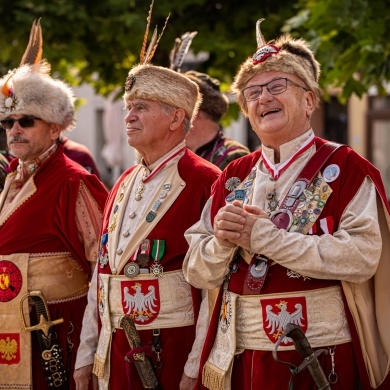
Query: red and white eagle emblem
(143,305)
(290,310)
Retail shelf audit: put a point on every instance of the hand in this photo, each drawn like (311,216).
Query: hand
(234,222)
(252,214)
(228,223)
(187,383)
(82,377)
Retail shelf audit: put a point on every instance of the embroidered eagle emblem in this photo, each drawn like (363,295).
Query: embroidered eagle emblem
(8,349)
(276,322)
(140,306)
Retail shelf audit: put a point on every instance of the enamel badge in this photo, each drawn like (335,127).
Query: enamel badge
(331,173)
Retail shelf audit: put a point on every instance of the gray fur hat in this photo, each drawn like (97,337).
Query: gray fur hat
(30,90)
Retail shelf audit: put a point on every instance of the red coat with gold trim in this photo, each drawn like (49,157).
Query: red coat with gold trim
(176,343)
(354,169)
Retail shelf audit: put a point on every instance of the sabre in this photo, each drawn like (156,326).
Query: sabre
(51,353)
(141,361)
(303,347)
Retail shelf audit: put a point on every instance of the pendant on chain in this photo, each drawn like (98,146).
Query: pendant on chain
(273,202)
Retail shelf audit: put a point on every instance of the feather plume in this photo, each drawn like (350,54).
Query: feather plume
(147,54)
(6,90)
(33,52)
(158,40)
(150,47)
(180,49)
(259,36)
(145,40)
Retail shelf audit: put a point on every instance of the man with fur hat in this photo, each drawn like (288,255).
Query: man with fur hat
(207,139)
(295,237)
(50,217)
(139,277)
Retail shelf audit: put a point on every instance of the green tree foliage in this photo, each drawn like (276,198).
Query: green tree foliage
(97,41)
(351,41)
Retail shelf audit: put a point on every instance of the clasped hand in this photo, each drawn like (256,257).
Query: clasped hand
(234,222)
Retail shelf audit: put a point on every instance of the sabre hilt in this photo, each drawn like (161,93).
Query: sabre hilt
(305,350)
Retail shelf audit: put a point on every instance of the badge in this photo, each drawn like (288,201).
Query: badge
(10,281)
(239,194)
(232,183)
(131,270)
(151,215)
(331,173)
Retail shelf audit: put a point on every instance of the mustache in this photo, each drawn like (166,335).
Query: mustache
(16,138)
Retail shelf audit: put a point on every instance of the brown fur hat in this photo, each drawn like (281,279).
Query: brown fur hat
(164,85)
(214,102)
(29,90)
(293,56)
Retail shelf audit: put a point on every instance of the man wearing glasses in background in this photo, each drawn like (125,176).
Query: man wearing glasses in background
(50,218)
(295,233)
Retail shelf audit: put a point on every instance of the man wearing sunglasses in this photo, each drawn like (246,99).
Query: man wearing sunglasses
(295,234)
(50,217)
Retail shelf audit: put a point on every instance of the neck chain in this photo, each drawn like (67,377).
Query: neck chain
(275,172)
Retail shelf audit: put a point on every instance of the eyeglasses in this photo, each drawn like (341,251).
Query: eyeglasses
(274,87)
(24,121)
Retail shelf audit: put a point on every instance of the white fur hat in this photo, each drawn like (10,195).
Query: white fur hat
(29,89)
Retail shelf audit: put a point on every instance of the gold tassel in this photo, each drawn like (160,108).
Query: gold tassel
(212,377)
(98,366)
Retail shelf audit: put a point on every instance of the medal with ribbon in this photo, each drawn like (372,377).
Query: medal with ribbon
(158,250)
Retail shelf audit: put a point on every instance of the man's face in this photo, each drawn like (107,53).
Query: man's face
(27,143)
(284,115)
(147,125)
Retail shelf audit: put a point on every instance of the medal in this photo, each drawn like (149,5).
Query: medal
(143,260)
(143,257)
(156,269)
(158,250)
(131,270)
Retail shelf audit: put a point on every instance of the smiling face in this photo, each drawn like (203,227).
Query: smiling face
(279,118)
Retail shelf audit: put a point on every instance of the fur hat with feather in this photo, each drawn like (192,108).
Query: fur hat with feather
(147,81)
(30,90)
(285,54)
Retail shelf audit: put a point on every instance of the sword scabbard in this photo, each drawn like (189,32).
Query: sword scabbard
(141,361)
(51,353)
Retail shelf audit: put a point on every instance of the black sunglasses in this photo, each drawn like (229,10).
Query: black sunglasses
(24,121)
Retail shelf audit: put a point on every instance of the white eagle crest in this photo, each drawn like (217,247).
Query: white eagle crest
(278,322)
(140,306)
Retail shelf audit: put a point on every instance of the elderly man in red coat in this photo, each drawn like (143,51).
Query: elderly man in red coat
(140,275)
(295,235)
(50,219)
